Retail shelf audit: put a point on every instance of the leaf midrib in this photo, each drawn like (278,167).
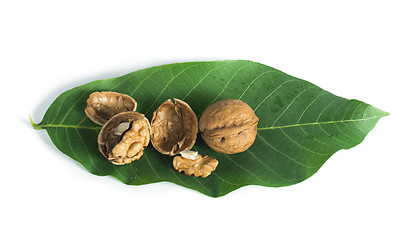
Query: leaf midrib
(43,126)
(319,123)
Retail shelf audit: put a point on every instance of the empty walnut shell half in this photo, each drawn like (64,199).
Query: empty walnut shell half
(101,106)
(124,137)
(174,127)
(229,126)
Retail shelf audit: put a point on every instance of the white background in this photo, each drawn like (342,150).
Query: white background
(355,49)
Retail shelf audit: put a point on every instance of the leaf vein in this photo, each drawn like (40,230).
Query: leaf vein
(225,86)
(245,169)
(146,78)
(72,107)
(200,81)
(273,93)
(306,109)
(271,170)
(289,105)
(316,123)
(166,86)
(245,90)
(86,149)
(305,148)
(290,158)
(135,174)
(150,165)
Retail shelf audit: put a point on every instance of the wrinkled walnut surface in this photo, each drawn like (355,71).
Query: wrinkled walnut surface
(101,106)
(174,127)
(124,137)
(229,126)
(203,166)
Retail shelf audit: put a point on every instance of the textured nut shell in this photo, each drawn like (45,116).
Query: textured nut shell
(101,106)
(201,167)
(174,127)
(128,146)
(229,126)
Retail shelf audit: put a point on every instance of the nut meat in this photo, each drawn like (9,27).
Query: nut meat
(124,137)
(229,126)
(201,166)
(101,106)
(174,127)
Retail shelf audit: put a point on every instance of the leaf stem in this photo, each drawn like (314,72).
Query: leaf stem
(33,124)
(39,126)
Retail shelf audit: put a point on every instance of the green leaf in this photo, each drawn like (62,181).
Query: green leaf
(300,127)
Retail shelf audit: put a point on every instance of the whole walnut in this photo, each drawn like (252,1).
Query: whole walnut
(229,126)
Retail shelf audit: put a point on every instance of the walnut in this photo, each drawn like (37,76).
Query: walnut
(229,126)
(174,127)
(124,137)
(101,106)
(192,163)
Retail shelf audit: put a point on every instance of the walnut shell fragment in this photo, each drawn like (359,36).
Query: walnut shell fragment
(124,137)
(229,126)
(174,127)
(101,106)
(199,166)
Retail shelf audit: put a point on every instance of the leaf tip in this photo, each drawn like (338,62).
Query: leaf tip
(383,113)
(33,124)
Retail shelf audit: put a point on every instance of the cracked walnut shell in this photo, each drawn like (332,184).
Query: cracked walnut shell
(124,137)
(199,166)
(102,106)
(174,127)
(229,126)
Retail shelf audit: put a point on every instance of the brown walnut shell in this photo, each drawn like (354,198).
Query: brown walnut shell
(174,127)
(101,106)
(124,137)
(229,126)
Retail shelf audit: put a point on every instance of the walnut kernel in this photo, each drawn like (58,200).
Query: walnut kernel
(192,163)
(124,137)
